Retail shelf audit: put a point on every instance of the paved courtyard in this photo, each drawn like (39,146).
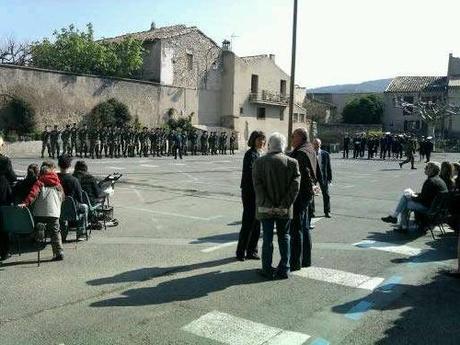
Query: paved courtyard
(167,274)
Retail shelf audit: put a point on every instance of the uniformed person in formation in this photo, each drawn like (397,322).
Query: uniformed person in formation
(144,142)
(46,141)
(55,136)
(73,139)
(356,146)
(94,144)
(232,143)
(194,142)
(184,147)
(83,139)
(346,145)
(204,143)
(103,133)
(65,136)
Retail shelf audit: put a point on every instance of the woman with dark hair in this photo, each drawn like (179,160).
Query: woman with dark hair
(22,188)
(250,227)
(88,182)
(7,178)
(447,175)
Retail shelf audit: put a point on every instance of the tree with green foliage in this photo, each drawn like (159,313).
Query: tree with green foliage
(19,118)
(110,112)
(76,51)
(364,110)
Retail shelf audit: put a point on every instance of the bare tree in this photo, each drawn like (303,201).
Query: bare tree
(14,52)
(432,113)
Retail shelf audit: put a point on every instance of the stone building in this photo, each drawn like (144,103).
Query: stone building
(238,93)
(444,89)
(411,90)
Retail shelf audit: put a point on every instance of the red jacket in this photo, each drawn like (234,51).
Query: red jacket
(50,179)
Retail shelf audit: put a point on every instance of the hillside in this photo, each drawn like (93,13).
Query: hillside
(367,86)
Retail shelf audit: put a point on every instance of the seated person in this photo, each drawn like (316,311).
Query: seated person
(22,188)
(447,175)
(7,178)
(71,185)
(88,183)
(421,203)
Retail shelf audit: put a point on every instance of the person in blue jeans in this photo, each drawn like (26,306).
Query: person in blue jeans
(276,180)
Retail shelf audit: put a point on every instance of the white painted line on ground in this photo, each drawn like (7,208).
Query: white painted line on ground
(316,220)
(191,177)
(139,195)
(115,168)
(220,246)
(389,247)
(178,164)
(233,330)
(340,277)
(20,171)
(149,166)
(348,186)
(168,213)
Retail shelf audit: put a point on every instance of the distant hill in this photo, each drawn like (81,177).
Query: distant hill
(367,86)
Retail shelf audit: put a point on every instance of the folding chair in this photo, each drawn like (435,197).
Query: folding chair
(18,221)
(437,214)
(71,220)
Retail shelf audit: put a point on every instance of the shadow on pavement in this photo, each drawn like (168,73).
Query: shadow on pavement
(183,289)
(144,274)
(391,169)
(236,222)
(222,238)
(429,313)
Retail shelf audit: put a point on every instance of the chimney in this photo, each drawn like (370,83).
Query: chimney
(226,45)
(152,26)
(272,57)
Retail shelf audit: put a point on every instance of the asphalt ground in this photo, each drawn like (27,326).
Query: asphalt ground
(167,274)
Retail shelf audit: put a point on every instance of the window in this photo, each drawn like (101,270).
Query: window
(261,113)
(302,118)
(411,125)
(241,110)
(281,114)
(283,87)
(295,117)
(254,83)
(189,61)
(409,109)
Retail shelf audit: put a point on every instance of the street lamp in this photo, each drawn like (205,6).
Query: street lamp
(292,84)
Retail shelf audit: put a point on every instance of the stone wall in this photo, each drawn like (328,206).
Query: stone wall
(60,98)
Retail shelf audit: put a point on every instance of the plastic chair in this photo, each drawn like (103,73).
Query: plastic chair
(71,219)
(18,221)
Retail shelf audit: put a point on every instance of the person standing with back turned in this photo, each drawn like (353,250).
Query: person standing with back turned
(250,226)
(276,183)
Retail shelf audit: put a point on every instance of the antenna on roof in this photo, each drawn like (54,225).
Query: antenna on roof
(153,26)
(232,38)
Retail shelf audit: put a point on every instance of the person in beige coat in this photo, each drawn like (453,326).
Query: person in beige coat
(276,180)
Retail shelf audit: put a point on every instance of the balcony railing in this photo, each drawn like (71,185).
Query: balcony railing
(269,97)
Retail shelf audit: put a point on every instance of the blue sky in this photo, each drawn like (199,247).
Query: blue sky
(339,41)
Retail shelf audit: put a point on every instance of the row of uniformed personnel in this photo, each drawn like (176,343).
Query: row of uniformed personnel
(127,141)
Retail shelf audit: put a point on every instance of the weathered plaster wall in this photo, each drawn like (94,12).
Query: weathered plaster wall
(61,98)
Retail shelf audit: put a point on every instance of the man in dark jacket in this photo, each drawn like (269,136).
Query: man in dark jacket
(88,182)
(421,202)
(324,175)
(300,233)
(7,177)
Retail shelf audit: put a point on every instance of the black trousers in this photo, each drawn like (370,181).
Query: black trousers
(250,227)
(300,238)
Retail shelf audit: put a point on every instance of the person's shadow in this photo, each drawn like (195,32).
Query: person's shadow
(429,312)
(144,274)
(182,289)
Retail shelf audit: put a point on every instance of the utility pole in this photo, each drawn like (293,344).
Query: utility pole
(292,84)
